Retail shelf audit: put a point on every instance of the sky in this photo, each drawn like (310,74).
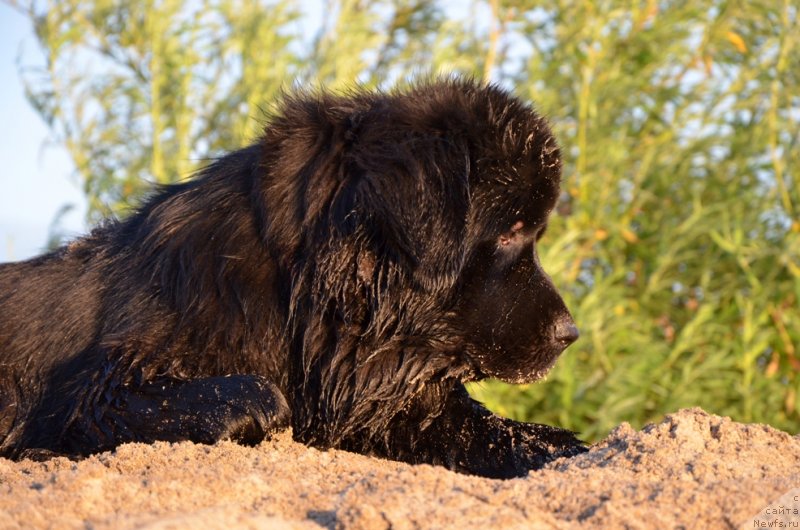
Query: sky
(36,179)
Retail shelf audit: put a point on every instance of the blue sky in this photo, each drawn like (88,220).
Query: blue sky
(36,179)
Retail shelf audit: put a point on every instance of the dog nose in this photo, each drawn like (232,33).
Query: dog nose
(565,331)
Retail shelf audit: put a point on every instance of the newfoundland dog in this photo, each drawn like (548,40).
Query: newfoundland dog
(344,276)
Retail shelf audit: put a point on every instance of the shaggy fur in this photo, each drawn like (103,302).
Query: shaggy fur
(343,276)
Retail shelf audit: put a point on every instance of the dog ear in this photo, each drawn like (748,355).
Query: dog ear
(339,168)
(376,206)
(304,148)
(408,195)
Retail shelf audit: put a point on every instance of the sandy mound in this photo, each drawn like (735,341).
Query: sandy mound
(692,469)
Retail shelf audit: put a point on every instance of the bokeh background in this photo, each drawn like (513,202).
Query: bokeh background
(677,237)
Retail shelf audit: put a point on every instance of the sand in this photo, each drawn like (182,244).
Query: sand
(692,470)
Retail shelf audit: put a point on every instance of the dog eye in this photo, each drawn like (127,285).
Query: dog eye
(513,234)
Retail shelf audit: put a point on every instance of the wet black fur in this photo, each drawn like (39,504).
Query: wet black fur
(345,276)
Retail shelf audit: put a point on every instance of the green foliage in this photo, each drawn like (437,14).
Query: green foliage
(680,245)
(678,240)
(143,92)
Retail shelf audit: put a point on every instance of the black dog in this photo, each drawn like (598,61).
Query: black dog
(343,276)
